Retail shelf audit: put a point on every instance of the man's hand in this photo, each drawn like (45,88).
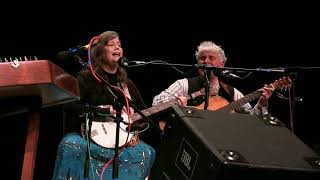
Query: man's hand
(266,94)
(182,100)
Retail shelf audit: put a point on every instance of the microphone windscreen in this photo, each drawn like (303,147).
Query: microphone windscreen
(123,62)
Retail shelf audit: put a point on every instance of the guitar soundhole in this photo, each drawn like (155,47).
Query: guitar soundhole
(104,129)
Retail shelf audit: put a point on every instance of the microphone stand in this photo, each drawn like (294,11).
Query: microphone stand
(207,88)
(118,106)
(88,109)
(115,168)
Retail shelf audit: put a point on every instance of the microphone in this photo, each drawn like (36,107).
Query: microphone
(228,73)
(77,49)
(101,111)
(124,62)
(83,107)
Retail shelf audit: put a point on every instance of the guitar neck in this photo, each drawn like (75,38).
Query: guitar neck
(154,109)
(160,107)
(237,105)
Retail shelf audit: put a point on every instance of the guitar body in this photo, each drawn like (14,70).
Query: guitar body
(215,102)
(104,133)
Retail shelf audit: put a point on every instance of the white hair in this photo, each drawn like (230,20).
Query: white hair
(211,46)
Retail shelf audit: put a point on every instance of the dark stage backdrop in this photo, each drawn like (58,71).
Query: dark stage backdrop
(250,40)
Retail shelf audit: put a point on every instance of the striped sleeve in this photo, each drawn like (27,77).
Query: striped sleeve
(178,88)
(256,110)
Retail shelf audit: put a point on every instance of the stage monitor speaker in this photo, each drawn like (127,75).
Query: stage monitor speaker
(203,145)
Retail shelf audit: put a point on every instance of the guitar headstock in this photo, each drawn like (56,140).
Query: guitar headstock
(282,83)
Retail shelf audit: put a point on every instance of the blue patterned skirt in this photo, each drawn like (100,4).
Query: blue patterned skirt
(134,163)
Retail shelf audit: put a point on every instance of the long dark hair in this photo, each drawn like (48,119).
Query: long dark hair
(98,54)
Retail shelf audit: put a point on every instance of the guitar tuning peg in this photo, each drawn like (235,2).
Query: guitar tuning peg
(30,58)
(10,59)
(25,58)
(20,58)
(35,58)
(6,60)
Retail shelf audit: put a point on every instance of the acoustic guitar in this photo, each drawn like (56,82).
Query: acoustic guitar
(219,103)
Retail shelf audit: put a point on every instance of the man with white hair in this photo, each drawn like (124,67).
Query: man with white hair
(208,53)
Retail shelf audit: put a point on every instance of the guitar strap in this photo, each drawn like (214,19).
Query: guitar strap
(228,91)
(194,85)
(135,139)
(124,87)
